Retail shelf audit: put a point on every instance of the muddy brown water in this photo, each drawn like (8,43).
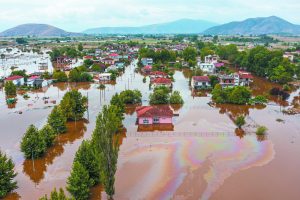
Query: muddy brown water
(205,157)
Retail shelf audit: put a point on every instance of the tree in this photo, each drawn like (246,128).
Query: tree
(117,101)
(33,144)
(21,41)
(86,158)
(48,135)
(7,175)
(213,80)
(131,96)
(10,88)
(205,52)
(240,121)
(175,98)
(57,120)
(60,76)
(74,75)
(60,195)
(88,62)
(73,105)
(189,54)
(80,47)
(96,68)
(79,183)
(106,147)
(159,97)
(85,77)
(238,95)
(280,75)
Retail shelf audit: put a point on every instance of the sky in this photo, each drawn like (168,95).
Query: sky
(79,15)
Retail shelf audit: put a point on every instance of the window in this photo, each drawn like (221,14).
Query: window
(145,121)
(156,120)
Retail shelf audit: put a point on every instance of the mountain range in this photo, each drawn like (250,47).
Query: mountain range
(182,26)
(41,30)
(254,26)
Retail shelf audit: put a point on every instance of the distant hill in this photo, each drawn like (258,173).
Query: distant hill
(40,30)
(256,26)
(183,26)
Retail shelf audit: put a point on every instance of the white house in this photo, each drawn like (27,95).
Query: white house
(104,77)
(211,59)
(207,67)
(17,80)
(147,61)
(200,82)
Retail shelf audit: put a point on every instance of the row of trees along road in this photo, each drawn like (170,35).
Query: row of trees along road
(35,142)
(95,161)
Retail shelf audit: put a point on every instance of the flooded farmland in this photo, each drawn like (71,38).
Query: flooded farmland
(203,157)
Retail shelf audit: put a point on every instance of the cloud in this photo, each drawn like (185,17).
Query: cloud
(78,15)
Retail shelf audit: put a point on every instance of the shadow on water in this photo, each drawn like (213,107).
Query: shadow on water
(235,111)
(36,169)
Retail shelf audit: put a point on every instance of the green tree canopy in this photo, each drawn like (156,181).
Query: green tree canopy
(57,120)
(7,175)
(79,183)
(73,105)
(10,88)
(33,144)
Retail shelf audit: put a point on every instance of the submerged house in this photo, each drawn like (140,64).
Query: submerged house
(228,80)
(245,78)
(158,74)
(207,67)
(37,82)
(17,80)
(147,61)
(104,77)
(157,82)
(147,69)
(200,82)
(148,115)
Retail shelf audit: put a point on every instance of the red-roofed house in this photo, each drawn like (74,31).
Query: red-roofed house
(245,78)
(200,82)
(154,115)
(161,82)
(114,56)
(147,69)
(158,74)
(108,61)
(17,80)
(88,58)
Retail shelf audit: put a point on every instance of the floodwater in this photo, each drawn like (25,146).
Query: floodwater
(203,156)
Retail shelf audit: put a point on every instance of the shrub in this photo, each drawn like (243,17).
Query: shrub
(240,121)
(261,130)
(10,88)
(175,98)
(258,100)
(56,195)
